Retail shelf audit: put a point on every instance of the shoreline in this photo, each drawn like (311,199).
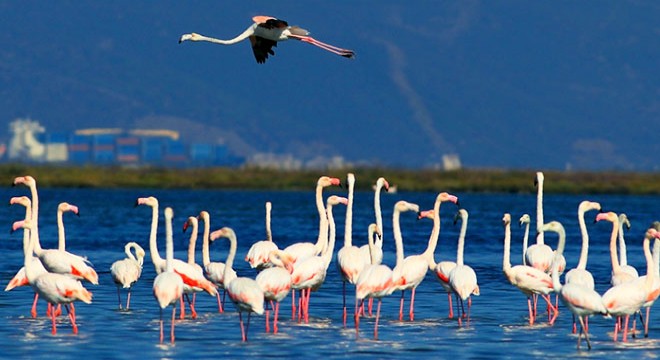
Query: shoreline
(465,180)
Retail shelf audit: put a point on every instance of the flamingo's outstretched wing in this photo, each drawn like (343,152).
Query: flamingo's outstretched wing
(261,47)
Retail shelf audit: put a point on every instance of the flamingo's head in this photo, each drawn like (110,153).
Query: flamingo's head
(426,214)
(26,180)
(20,200)
(608,216)
(149,201)
(506,219)
(64,207)
(325,181)
(190,37)
(525,219)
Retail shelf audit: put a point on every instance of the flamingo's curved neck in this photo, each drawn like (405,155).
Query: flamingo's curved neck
(461,242)
(229,275)
(269,234)
(323,227)
(61,242)
(206,258)
(435,234)
(348,228)
(613,255)
(242,36)
(327,254)
(555,263)
(584,252)
(169,246)
(379,215)
(650,265)
(623,253)
(525,241)
(398,238)
(153,246)
(506,259)
(192,242)
(34,232)
(127,251)
(539,210)
(372,246)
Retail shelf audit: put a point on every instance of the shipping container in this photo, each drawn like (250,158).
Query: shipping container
(80,149)
(175,153)
(128,149)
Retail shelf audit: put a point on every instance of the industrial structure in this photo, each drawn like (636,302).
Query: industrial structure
(30,142)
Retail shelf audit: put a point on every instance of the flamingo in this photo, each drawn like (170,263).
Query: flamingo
(168,285)
(381,183)
(350,259)
(580,275)
(55,288)
(302,250)
(374,282)
(627,298)
(126,272)
(462,278)
(529,280)
(264,34)
(623,258)
(656,284)
(192,222)
(581,300)
(619,276)
(214,271)
(539,255)
(20,279)
(275,281)
(443,268)
(410,271)
(308,275)
(245,293)
(60,261)
(192,276)
(259,252)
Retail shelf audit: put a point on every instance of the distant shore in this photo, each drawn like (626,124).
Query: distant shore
(467,180)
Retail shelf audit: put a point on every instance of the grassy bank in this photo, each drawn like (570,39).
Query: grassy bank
(517,181)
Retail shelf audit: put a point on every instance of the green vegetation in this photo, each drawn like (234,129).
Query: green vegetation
(509,181)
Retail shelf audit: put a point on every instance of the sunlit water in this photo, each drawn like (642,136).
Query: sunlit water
(498,327)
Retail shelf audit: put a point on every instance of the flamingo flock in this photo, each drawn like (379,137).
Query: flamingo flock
(61,277)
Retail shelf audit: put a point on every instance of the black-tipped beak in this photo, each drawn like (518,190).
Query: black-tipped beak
(78,214)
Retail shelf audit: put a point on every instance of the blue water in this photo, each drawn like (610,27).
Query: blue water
(499,326)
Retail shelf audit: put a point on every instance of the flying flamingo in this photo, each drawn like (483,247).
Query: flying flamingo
(374,282)
(192,276)
(244,292)
(578,298)
(580,275)
(627,298)
(214,270)
(350,259)
(264,35)
(260,251)
(56,289)
(308,275)
(275,281)
(623,258)
(462,278)
(126,272)
(529,280)
(443,268)
(168,286)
